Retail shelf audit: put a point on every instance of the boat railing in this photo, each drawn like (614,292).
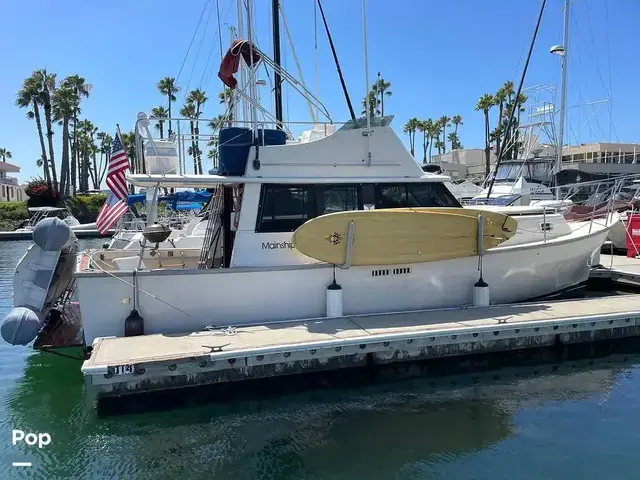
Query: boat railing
(200,135)
(605,201)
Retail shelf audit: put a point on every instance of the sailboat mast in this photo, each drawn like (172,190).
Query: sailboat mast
(275,13)
(563,93)
(252,70)
(243,76)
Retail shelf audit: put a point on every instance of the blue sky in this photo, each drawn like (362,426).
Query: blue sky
(439,56)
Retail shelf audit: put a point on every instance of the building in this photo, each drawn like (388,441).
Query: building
(465,163)
(10,189)
(619,153)
(608,159)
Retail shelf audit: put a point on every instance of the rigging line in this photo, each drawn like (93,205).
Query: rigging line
(315,52)
(335,58)
(607,91)
(219,27)
(517,95)
(295,57)
(606,16)
(206,26)
(206,71)
(206,65)
(212,69)
(204,8)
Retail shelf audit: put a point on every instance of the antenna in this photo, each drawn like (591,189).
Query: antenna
(366,80)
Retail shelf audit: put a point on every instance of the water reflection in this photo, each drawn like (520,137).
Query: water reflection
(378,431)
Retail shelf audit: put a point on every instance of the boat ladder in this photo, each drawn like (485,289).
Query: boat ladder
(213,232)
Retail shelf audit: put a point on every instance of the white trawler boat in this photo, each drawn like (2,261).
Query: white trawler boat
(248,270)
(253,273)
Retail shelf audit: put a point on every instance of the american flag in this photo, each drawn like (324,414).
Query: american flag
(116,204)
(118,165)
(110,212)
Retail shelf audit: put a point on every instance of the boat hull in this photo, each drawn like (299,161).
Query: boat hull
(188,300)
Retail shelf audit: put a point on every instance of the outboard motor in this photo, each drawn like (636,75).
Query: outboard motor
(42,275)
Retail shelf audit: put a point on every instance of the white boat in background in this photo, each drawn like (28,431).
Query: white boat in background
(40,213)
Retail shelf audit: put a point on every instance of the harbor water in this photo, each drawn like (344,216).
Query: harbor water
(574,420)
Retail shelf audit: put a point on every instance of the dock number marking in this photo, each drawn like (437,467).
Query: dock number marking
(124,370)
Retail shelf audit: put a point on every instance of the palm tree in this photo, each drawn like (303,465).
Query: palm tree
(227,97)
(80,89)
(64,106)
(167,86)
(217,122)
(425,127)
(434,133)
(374,103)
(499,100)
(213,153)
(160,113)
(188,110)
(30,96)
(105,149)
(380,87)
(410,129)
(507,88)
(47,82)
(511,137)
(198,98)
(484,104)
(440,146)
(456,120)
(86,150)
(4,154)
(453,138)
(129,144)
(444,121)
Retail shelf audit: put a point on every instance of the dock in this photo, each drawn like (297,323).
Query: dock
(78,233)
(618,269)
(128,365)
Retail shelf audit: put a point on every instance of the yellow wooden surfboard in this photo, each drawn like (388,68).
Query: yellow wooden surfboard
(492,219)
(400,236)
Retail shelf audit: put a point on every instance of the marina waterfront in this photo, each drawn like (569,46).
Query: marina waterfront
(576,419)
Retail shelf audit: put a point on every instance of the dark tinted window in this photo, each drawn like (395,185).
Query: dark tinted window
(338,198)
(423,194)
(284,208)
(430,195)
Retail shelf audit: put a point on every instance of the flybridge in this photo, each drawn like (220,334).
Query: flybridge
(337,158)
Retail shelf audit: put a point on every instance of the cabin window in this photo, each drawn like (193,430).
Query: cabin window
(430,195)
(337,198)
(283,208)
(423,194)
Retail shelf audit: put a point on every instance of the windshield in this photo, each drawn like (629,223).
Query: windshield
(531,171)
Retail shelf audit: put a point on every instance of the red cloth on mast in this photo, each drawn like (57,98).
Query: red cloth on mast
(231,61)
